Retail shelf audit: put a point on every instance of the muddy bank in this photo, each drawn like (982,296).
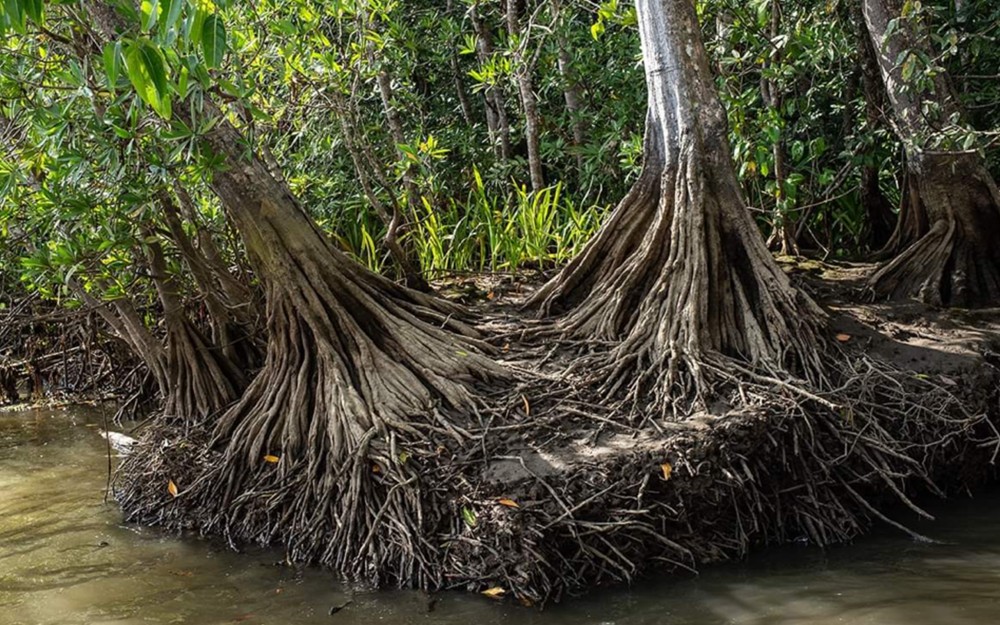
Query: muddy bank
(557,494)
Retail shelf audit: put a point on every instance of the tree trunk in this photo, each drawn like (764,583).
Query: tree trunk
(956,261)
(396,226)
(679,277)
(124,321)
(358,370)
(457,77)
(232,325)
(880,223)
(529,103)
(496,113)
(572,94)
(784,217)
(201,380)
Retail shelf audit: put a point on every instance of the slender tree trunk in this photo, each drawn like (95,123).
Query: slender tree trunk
(124,321)
(572,94)
(956,261)
(880,222)
(679,277)
(234,289)
(529,103)
(232,325)
(457,78)
(201,380)
(496,113)
(784,215)
(397,224)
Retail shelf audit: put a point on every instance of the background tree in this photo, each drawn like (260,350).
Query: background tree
(952,196)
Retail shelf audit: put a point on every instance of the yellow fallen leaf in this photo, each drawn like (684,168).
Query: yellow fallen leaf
(376,468)
(510,503)
(172,488)
(271,459)
(843,338)
(668,469)
(494,593)
(491,296)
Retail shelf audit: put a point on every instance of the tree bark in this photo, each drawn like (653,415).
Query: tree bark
(784,218)
(523,69)
(881,222)
(357,367)
(679,278)
(956,261)
(572,94)
(496,113)
(457,77)
(232,325)
(201,380)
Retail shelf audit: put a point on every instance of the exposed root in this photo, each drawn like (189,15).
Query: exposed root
(601,497)
(778,469)
(683,289)
(943,268)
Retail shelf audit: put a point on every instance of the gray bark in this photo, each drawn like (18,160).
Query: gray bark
(956,260)
(679,277)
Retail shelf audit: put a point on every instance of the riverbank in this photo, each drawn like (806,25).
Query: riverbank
(558,494)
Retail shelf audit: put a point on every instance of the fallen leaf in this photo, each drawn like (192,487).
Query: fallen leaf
(494,593)
(271,459)
(491,296)
(843,338)
(510,503)
(469,516)
(172,488)
(506,347)
(376,468)
(668,469)
(526,602)
(403,457)
(527,406)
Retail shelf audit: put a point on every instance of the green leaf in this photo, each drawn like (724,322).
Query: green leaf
(14,10)
(147,73)
(213,40)
(469,516)
(33,9)
(170,15)
(150,10)
(597,29)
(112,63)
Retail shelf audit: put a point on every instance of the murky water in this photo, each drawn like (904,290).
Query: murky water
(65,559)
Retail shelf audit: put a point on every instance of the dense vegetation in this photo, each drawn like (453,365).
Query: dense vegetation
(257,199)
(372,108)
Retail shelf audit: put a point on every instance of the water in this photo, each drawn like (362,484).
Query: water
(66,559)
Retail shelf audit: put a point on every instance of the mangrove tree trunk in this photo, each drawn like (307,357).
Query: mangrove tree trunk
(955,261)
(679,277)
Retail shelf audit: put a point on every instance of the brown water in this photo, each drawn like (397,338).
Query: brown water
(66,559)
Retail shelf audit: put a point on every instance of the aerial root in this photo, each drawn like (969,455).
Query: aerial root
(596,494)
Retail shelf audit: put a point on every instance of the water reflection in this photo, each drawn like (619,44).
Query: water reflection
(66,560)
